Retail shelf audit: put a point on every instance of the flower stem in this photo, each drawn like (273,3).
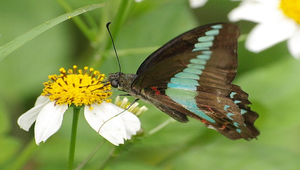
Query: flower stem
(111,156)
(161,126)
(73,137)
(22,159)
(86,160)
(78,21)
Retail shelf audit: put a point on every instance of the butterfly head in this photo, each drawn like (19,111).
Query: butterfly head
(114,79)
(121,81)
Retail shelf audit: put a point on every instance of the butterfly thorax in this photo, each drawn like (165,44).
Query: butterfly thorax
(122,81)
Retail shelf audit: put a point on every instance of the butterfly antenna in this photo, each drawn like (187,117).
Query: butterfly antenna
(113,43)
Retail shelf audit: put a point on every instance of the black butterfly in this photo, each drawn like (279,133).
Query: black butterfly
(191,76)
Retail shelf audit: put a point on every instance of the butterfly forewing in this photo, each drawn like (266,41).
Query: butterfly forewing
(183,44)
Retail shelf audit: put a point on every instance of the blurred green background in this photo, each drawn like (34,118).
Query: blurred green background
(271,78)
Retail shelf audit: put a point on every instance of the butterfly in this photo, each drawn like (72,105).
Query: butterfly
(191,76)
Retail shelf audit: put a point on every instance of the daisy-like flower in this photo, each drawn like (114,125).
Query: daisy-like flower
(193,3)
(278,20)
(79,88)
(197,3)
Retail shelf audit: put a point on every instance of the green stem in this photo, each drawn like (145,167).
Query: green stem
(134,51)
(73,137)
(161,126)
(181,150)
(78,21)
(111,156)
(25,156)
(91,155)
(124,9)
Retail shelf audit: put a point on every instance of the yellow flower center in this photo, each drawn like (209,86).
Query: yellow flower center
(78,87)
(291,8)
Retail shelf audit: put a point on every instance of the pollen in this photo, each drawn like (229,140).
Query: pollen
(291,8)
(78,87)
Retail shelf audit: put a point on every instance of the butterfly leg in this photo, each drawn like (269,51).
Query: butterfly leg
(124,94)
(132,103)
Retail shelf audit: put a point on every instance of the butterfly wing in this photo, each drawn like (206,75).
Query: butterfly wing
(192,74)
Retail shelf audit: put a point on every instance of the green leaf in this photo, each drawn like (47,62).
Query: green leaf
(19,41)
(9,145)
(4,119)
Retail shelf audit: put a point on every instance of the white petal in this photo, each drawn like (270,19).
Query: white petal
(41,100)
(256,11)
(133,106)
(29,117)
(124,102)
(294,44)
(102,120)
(138,1)
(141,110)
(266,35)
(197,3)
(105,120)
(131,122)
(49,121)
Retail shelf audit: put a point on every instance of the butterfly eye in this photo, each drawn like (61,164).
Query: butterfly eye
(114,83)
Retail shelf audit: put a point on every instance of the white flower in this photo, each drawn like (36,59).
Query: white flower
(112,122)
(278,20)
(79,88)
(48,118)
(197,3)
(193,3)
